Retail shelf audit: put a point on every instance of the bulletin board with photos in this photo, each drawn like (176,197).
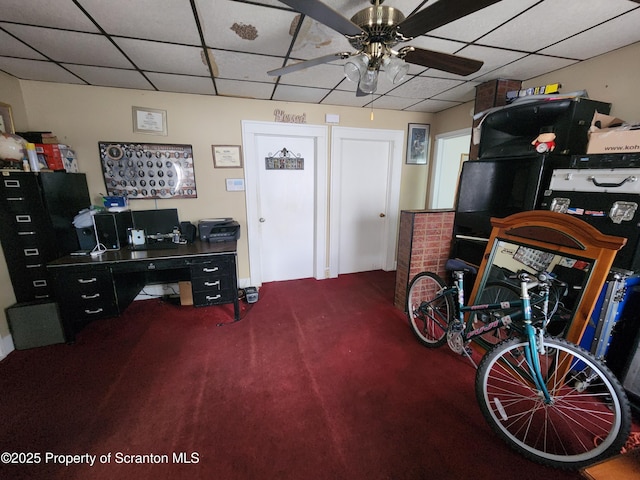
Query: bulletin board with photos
(148,170)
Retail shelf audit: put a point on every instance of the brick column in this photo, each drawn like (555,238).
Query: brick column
(424,244)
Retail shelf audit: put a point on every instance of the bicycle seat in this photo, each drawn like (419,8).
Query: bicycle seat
(457,265)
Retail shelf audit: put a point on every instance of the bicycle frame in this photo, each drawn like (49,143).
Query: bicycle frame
(524,310)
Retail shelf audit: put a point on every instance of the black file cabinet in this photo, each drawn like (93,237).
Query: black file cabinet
(36,214)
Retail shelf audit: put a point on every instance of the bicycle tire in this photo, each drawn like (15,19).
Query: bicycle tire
(587,421)
(429,313)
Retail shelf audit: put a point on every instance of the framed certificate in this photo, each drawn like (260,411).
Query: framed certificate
(150,121)
(227,156)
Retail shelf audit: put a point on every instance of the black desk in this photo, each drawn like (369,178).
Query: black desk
(88,288)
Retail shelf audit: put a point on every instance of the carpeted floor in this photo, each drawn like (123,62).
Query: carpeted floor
(320,380)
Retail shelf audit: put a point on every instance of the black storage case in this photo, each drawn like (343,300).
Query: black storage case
(509,131)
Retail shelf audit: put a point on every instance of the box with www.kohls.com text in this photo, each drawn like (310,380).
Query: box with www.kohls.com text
(624,139)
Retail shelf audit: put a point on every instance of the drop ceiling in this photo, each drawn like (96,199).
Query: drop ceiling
(226,47)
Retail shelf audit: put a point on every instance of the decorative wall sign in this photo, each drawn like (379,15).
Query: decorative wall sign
(284,160)
(281,116)
(148,170)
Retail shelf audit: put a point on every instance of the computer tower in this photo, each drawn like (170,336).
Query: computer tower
(112,229)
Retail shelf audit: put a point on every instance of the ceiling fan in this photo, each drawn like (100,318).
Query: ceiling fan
(374,32)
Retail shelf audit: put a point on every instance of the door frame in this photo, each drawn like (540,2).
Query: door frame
(320,133)
(394,177)
(436,173)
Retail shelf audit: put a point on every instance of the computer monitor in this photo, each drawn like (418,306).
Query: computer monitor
(156,222)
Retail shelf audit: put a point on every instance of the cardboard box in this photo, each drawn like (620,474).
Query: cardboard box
(186,295)
(624,139)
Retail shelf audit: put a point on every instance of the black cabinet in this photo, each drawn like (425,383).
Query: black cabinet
(36,214)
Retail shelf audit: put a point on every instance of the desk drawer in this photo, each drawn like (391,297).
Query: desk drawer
(85,294)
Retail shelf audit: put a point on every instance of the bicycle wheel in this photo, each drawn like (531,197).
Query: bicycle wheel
(429,311)
(588,419)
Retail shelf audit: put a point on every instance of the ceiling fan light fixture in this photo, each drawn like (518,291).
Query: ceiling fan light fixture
(369,81)
(356,67)
(396,69)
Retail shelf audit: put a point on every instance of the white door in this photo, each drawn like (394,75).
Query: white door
(365,192)
(285,206)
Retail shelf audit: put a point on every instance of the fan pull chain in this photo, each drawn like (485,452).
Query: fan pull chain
(371,115)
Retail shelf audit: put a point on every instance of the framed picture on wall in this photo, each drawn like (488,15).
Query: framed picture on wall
(418,143)
(6,119)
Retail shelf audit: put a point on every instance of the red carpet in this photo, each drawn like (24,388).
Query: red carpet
(320,380)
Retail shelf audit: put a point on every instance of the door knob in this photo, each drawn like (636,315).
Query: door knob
(382,215)
(261,220)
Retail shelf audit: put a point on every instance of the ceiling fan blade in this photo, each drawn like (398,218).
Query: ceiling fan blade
(325,14)
(307,63)
(443,61)
(438,14)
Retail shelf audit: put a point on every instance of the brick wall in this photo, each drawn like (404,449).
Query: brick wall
(424,244)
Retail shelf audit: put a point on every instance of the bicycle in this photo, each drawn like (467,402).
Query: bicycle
(550,400)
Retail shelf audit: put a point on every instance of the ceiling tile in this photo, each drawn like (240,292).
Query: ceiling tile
(165,57)
(70,47)
(11,47)
(472,27)
(244,66)
(233,88)
(231,25)
(166,82)
(323,76)
(462,93)
(601,39)
(288,93)
(341,97)
(316,40)
(431,106)
(424,87)
(37,70)
(526,68)
(391,103)
(111,77)
(166,20)
(46,13)
(537,28)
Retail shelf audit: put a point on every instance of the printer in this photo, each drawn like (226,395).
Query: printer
(218,229)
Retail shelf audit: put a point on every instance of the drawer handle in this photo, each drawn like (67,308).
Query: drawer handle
(12,183)
(30,252)
(34,265)
(26,233)
(40,297)
(212,284)
(39,283)
(209,297)
(93,312)
(87,280)
(15,199)
(209,270)
(90,297)
(23,218)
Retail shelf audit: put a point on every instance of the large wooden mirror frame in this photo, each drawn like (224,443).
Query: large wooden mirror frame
(541,238)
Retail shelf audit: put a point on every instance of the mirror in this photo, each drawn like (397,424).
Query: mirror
(574,251)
